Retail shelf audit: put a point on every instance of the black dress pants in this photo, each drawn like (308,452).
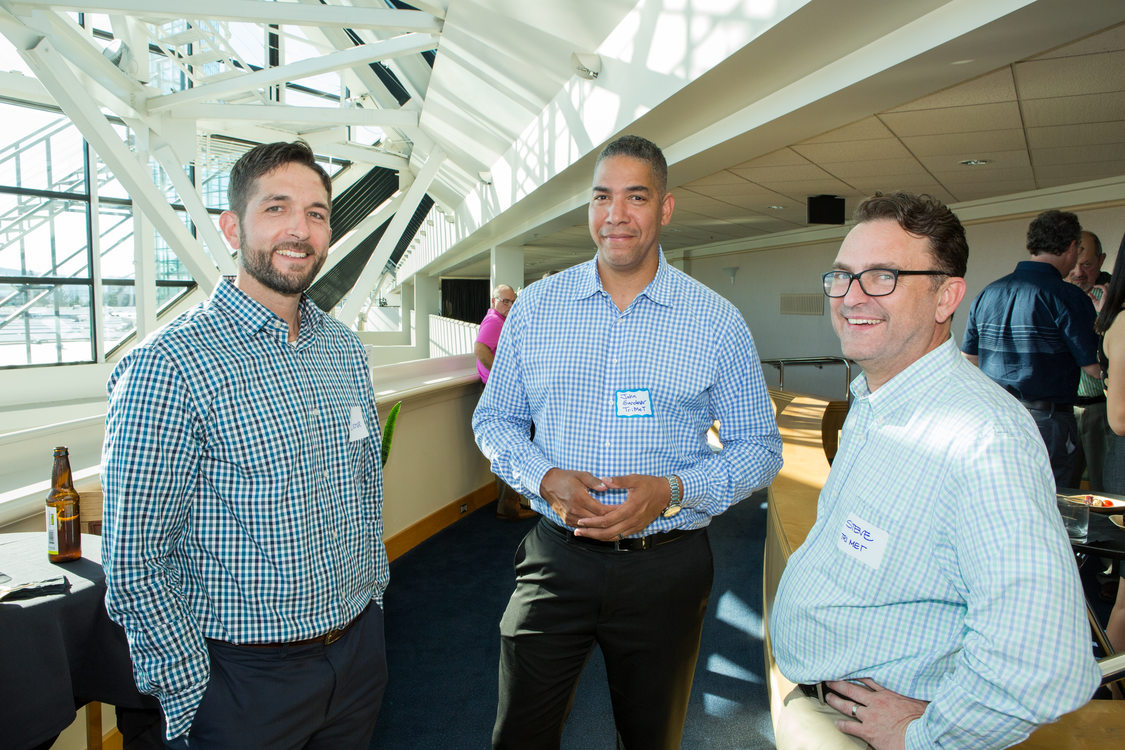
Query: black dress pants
(643,608)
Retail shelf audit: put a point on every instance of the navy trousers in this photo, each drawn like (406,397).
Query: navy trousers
(293,697)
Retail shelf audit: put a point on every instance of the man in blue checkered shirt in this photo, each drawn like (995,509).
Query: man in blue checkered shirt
(622,364)
(935,603)
(243,492)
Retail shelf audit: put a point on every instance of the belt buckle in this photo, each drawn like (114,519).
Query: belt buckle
(332,637)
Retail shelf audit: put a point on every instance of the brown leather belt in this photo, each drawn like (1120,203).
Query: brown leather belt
(321,640)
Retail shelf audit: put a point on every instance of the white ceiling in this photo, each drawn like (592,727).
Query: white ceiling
(758,103)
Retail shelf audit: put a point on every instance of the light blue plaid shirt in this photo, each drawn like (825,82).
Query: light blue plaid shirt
(242,501)
(632,392)
(975,603)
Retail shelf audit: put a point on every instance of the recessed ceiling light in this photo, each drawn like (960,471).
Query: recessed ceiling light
(974,162)
(776,208)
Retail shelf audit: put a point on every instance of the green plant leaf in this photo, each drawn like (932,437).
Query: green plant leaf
(389,431)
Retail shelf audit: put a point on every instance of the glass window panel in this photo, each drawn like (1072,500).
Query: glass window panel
(249,42)
(108,184)
(115,225)
(41,150)
(119,307)
(11,60)
(42,236)
(43,324)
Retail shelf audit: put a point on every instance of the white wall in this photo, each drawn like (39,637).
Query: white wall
(995,246)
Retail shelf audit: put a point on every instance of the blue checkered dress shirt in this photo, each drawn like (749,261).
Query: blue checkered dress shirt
(241,501)
(570,362)
(975,604)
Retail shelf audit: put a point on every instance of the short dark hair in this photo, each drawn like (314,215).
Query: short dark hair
(922,216)
(1052,232)
(264,159)
(639,148)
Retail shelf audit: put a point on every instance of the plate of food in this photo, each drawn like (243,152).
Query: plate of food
(1099,503)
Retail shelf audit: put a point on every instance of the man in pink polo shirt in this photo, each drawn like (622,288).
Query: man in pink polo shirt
(503,297)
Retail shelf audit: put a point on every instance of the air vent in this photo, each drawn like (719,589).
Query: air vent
(802,304)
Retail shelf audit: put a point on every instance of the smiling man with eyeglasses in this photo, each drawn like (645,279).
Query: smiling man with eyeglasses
(912,617)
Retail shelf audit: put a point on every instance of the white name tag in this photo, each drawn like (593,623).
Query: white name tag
(863,541)
(357,428)
(636,403)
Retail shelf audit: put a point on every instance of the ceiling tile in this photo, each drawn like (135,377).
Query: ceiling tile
(966,145)
(1051,175)
(1068,110)
(765,175)
(783,157)
(869,128)
(995,116)
(844,151)
(1077,135)
(1069,76)
(996,86)
(998,161)
(1079,154)
(722,178)
(1104,41)
(968,191)
(847,171)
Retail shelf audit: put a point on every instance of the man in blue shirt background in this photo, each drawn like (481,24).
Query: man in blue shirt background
(1031,332)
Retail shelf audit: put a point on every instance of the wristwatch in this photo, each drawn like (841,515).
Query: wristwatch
(674,506)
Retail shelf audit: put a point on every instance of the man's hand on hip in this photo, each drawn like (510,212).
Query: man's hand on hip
(646,497)
(883,715)
(568,494)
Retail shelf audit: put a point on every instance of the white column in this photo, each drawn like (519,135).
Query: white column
(426,303)
(507,266)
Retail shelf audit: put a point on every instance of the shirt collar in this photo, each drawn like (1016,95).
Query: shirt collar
(659,290)
(1038,266)
(902,391)
(254,317)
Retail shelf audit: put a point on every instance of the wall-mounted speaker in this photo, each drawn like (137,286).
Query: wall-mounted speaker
(825,209)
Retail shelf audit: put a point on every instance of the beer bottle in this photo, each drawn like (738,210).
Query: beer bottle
(64,541)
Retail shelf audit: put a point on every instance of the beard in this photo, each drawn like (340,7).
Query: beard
(259,265)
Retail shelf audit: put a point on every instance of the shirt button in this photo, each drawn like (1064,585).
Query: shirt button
(608,443)
(326,473)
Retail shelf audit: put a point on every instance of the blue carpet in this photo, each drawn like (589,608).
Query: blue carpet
(443,612)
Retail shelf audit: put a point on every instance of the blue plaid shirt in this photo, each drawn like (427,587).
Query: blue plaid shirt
(632,392)
(243,501)
(967,594)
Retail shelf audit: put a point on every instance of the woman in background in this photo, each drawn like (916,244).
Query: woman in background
(1112,327)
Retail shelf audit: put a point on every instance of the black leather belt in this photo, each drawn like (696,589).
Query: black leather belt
(1089,400)
(628,544)
(818,691)
(1049,406)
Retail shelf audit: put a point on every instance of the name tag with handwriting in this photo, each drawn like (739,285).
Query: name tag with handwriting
(357,428)
(636,403)
(863,541)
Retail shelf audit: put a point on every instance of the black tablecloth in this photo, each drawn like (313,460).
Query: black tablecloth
(1104,538)
(61,651)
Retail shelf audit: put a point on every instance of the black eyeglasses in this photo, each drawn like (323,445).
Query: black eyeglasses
(875,282)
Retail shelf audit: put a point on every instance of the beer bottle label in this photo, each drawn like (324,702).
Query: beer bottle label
(52,530)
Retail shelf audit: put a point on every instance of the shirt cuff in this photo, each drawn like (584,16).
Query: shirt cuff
(179,709)
(530,472)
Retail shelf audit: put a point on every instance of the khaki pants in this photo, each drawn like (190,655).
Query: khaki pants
(807,724)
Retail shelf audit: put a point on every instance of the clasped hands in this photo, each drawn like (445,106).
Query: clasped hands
(570,494)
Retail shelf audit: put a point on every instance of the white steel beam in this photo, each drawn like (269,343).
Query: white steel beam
(374,268)
(361,231)
(253,11)
(361,55)
(284,113)
(54,73)
(189,194)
